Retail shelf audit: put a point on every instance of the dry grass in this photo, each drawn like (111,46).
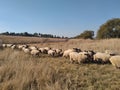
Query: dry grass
(19,71)
(26,40)
(96,45)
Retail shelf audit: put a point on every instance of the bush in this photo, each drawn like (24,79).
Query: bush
(86,35)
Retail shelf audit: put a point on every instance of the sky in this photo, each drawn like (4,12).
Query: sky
(58,17)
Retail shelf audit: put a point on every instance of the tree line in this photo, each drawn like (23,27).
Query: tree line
(32,35)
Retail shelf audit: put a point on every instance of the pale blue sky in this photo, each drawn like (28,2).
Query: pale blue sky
(59,17)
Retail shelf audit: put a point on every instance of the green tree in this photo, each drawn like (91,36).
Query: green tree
(110,29)
(36,34)
(88,34)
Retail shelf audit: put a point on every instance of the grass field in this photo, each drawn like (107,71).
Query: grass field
(20,71)
(28,40)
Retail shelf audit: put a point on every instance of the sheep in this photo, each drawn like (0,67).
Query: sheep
(78,57)
(101,57)
(73,56)
(47,48)
(90,53)
(42,50)
(51,52)
(13,47)
(9,45)
(84,57)
(115,60)
(109,52)
(66,52)
(77,49)
(4,45)
(59,52)
(35,52)
(21,46)
(33,48)
(26,50)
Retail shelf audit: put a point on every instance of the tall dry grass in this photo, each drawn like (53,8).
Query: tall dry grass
(84,44)
(19,71)
(96,45)
(28,40)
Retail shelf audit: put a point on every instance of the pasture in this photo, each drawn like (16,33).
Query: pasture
(20,71)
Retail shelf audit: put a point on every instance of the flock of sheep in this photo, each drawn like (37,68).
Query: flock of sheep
(74,54)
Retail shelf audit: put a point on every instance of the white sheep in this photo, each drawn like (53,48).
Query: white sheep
(13,47)
(33,48)
(101,57)
(4,45)
(47,48)
(59,52)
(67,52)
(83,57)
(26,50)
(35,52)
(115,60)
(51,52)
(42,50)
(21,46)
(9,45)
(109,52)
(78,57)
(73,56)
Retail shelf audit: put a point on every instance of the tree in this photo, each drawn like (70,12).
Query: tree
(36,34)
(110,29)
(88,34)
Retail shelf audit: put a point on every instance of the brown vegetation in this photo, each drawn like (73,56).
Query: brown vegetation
(87,44)
(28,40)
(20,71)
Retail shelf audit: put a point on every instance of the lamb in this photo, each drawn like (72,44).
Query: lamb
(35,52)
(78,57)
(115,60)
(101,57)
